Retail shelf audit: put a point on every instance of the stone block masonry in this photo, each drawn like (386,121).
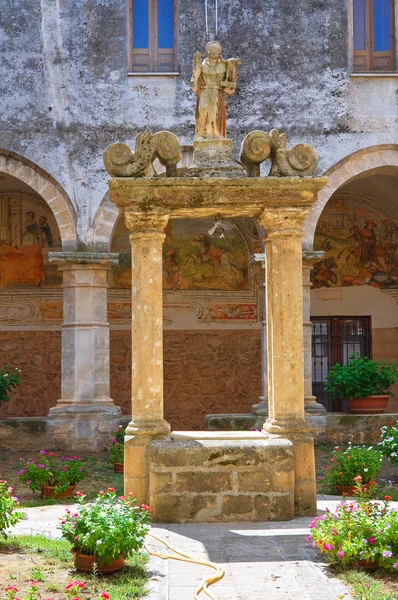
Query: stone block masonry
(221,480)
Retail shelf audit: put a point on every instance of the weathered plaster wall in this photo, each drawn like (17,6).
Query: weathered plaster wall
(204,373)
(66,95)
(38,355)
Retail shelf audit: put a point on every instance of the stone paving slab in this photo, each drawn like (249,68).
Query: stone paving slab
(261,560)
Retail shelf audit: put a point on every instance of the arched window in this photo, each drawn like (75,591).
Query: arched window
(153,36)
(374,35)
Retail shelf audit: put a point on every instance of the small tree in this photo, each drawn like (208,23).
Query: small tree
(9,379)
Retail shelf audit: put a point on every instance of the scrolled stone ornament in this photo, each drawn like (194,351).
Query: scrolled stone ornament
(299,161)
(168,151)
(120,161)
(255,148)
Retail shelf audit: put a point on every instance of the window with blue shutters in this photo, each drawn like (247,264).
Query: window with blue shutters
(153,36)
(374,35)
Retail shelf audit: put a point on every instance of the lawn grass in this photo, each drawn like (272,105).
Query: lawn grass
(365,586)
(50,562)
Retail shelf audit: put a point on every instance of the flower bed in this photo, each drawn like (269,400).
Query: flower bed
(361,533)
(346,464)
(51,472)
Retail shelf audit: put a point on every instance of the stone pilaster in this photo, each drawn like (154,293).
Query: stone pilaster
(311,406)
(283,253)
(85,415)
(261,409)
(146,237)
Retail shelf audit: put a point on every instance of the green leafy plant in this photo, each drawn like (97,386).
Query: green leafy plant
(49,471)
(9,379)
(361,377)
(117,448)
(389,443)
(361,532)
(107,527)
(346,464)
(8,503)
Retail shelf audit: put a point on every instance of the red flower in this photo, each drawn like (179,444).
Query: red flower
(51,454)
(337,448)
(145,507)
(387,498)
(101,492)
(372,540)
(372,483)
(11,588)
(104,595)
(79,494)
(110,490)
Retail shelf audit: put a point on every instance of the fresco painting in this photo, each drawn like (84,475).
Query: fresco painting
(360,242)
(28,232)
(224,312)
(192,259)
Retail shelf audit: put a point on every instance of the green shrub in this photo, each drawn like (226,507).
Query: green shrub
(9,379)
(344,465)
(361,377)
(389,443)
(8,503)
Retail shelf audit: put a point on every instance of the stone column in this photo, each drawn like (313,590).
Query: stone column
(283,254)
(261,409)
(85,416)
(311,406)
(146,237)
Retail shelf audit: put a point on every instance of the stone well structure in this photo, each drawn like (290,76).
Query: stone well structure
(209,476)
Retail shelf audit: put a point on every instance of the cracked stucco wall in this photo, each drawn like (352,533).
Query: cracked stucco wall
(65,94)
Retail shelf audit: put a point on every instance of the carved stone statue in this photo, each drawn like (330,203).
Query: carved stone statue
(212,79)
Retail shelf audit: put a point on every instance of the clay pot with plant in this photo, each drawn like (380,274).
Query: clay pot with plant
(105,531)
(365,384)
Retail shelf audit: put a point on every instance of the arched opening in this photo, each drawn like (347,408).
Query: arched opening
(211,316)
(355,286)
(36,217)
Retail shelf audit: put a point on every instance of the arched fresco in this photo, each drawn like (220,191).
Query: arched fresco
(360,241)
(195,258)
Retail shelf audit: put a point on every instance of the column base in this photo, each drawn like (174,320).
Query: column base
(312,407)
(261,409)
(83,426)
(139,435)
(298,432)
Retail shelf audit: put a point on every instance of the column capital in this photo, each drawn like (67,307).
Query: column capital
(82,260)
(283,220)
(143,224)
(310,257)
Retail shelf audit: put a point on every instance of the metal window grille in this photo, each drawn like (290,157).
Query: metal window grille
(334,339)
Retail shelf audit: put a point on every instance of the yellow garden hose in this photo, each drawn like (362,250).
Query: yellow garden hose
(218,575)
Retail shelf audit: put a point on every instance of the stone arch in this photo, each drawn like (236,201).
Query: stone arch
(104,222)
(48,188)
(380,159)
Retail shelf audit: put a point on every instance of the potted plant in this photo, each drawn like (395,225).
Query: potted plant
(9,379)
(365,383)
(8,503)
(117,450)
(53,477)
(360,533)
(105,531)
(347,464)
(389,443)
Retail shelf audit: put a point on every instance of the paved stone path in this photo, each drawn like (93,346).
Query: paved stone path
(262,560)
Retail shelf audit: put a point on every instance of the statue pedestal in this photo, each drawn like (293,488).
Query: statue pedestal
(213,158)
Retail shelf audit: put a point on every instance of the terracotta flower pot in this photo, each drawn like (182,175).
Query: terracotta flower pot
(84,563)
(47,491)
(349,489)
(119,467)
(372,405)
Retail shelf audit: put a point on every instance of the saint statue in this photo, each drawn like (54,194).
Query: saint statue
(212,78)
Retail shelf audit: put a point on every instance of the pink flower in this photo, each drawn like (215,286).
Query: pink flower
(328,547)
(340,553)
(42,451)
(372,540)
(358,478)
(308,538)
(395,565)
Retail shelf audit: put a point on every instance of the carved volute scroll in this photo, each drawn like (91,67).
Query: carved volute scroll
(120,161)
(299,161)
(255,149)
